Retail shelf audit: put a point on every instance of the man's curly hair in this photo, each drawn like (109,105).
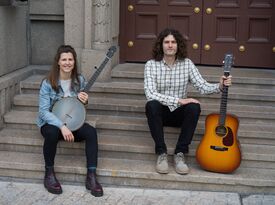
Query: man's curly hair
(157,51)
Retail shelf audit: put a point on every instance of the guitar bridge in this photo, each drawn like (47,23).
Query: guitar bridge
(218,148)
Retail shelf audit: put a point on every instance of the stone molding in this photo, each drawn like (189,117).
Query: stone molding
(101,23)
(89,28)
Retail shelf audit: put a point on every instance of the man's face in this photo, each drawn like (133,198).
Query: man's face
(170,46)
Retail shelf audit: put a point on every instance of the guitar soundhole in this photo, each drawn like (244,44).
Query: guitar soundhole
(221,131)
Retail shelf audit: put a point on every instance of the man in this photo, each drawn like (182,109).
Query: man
(166,77)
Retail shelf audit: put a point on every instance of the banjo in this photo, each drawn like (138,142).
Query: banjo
(70,110)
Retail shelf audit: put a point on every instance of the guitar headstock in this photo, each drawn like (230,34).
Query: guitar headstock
(111,51)
(228,61)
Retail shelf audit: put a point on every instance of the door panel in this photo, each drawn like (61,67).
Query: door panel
(244,28)
(212,28)
(189,23)
(140,27)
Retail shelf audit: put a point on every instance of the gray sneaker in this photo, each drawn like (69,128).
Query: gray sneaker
(162,164)
(180,165)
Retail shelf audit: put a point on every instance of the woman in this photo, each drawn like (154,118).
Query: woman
(63,80)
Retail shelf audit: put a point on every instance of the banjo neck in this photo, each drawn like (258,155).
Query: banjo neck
(91,81)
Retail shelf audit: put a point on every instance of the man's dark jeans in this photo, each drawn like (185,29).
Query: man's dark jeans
(186,117)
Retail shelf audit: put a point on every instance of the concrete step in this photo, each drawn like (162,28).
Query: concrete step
(135,108)
(137,173)
(123,125)
(127,147)
(244,77)
(126,90)
(238,95)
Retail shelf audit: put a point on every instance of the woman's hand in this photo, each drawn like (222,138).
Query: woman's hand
(83,97)
(187,101)
(67,134)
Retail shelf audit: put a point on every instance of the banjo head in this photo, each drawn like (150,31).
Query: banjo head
(70,111)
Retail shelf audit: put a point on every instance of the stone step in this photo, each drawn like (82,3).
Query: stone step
(236,94)
(129,126)
(136,173)
(127,147)
(128,107)
(244,77)
(126,90)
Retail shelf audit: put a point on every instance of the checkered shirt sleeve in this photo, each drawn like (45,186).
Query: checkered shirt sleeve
(168,85)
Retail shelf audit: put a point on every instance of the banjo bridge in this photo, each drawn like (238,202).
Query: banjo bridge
(67,115)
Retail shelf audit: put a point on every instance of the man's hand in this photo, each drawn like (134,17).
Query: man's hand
(227,81)
(188,100)
(67,134)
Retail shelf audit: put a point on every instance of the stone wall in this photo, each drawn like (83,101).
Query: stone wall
(13,38)
(46,29)
(30,33)
(13,51)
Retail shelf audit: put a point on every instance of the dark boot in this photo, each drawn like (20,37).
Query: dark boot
(51,183)
(93,185)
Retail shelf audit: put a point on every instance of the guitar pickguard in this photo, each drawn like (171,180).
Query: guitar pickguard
(228,140)
(227,135)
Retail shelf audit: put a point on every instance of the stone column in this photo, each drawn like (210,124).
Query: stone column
(101,24)
(89,27)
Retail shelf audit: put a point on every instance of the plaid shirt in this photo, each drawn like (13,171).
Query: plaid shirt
(169,84)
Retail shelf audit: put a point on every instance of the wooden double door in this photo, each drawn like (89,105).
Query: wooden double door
(245,28)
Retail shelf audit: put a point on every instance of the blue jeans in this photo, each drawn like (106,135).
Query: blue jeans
(52,135)
(186,117)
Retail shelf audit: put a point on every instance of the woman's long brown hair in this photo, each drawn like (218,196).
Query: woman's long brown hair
(53,75)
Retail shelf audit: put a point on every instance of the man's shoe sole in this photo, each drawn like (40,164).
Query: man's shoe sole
(184,172)
(162,172)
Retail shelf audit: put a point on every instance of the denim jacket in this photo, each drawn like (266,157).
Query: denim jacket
(48,96)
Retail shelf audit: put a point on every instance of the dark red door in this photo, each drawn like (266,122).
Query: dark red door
(142,20)
(245,28)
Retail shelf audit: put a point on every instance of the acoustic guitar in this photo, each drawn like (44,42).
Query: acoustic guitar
(219,149)
(70,110)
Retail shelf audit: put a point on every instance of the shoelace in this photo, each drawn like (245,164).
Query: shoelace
(180,157)
(162,158)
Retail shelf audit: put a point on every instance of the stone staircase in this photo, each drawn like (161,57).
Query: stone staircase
(126,149)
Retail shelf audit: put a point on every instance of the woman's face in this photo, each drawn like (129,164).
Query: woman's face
(66,63)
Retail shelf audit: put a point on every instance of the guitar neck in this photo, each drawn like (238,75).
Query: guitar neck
(95,75)
(223,105)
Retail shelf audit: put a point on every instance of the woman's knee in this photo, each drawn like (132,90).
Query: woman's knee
(90,132)
(50,133)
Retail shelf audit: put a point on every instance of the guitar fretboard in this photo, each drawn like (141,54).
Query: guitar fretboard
(223,105)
